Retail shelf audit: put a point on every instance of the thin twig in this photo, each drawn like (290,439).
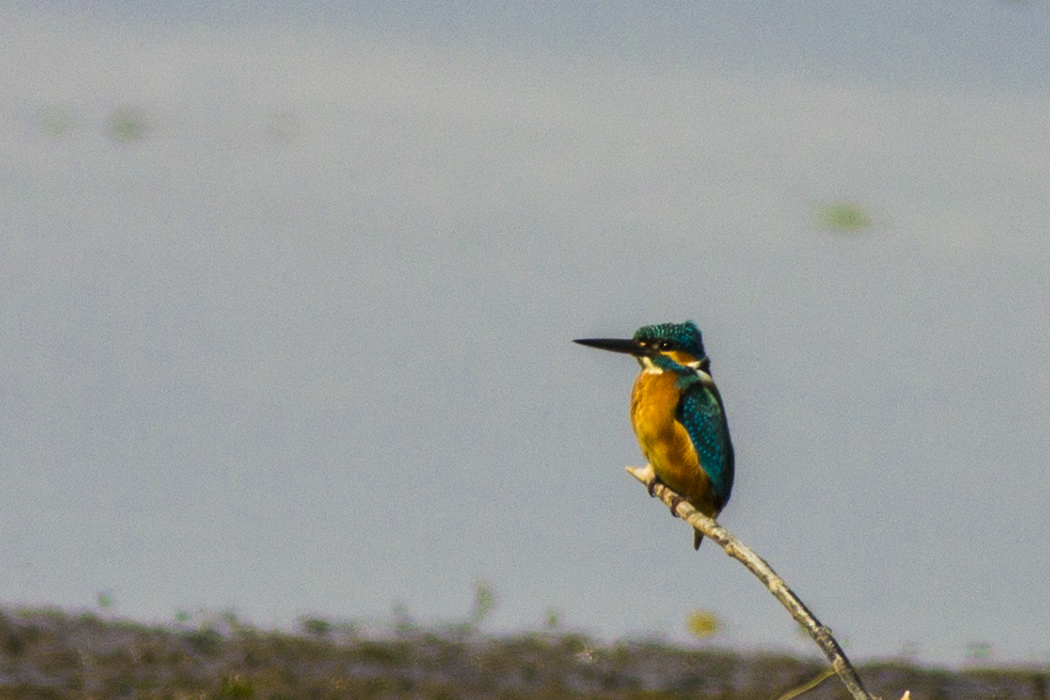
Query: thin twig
(808,685)
(742,553)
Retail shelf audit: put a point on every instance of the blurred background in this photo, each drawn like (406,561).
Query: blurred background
(287,290)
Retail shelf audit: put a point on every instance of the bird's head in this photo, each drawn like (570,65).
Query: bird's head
(679,342)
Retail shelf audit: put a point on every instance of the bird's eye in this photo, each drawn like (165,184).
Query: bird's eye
(664,345)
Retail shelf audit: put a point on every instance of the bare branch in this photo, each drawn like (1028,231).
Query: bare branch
(756,565)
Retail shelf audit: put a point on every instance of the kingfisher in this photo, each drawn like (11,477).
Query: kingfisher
(677,414)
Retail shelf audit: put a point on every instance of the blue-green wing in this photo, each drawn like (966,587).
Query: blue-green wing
(700,410)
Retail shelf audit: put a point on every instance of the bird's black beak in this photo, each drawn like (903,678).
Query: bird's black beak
(628,346)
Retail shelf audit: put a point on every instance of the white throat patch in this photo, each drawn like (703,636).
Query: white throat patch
(705,378)
(648,367)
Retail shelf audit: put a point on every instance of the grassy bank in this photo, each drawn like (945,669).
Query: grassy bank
(56,654)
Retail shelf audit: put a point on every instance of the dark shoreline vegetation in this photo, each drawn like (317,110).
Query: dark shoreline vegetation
(53,654)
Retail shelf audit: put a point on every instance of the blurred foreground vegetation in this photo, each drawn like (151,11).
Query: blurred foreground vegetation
(53,654)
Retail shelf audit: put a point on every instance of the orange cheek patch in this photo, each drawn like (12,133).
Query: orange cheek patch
(682,358)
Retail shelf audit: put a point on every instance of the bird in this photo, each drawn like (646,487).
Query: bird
(678,415)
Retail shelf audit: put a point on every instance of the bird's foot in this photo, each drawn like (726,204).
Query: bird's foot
(650,486)
(674,505)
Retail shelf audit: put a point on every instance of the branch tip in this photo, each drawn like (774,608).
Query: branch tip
(764,572)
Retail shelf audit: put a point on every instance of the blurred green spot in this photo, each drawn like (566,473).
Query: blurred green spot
(316,627)
(553,619)
(105,600)
(844,217)
(182,616)
(127,124)
(230,619)
(703,624)
(484,601)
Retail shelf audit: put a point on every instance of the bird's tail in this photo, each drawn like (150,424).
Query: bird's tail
(697,539)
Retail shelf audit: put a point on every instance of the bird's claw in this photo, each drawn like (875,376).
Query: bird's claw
(651,485)
(674,505)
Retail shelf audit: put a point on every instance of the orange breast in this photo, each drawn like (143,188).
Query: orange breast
(665,442)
